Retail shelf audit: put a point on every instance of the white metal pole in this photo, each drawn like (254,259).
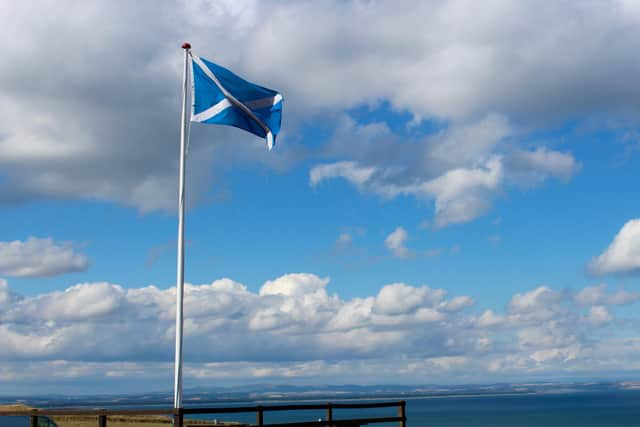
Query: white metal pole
(177,394)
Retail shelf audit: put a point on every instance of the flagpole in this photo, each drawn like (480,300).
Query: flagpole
(177,394)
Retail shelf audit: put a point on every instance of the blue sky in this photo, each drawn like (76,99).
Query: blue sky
(469,191)
(514,246)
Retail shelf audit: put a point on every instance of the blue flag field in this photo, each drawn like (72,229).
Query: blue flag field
(221,97)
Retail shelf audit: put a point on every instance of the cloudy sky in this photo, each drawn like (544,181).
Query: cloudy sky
(453,197)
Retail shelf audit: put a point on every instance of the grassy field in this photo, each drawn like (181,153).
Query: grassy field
(114,421)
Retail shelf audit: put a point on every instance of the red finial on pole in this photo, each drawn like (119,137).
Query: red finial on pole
(186,45)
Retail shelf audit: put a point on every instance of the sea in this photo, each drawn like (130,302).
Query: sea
(619,408)
(610,409)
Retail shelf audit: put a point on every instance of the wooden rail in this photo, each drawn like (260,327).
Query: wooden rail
(179,421)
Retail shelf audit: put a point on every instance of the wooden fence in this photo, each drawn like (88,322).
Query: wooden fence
(180,421)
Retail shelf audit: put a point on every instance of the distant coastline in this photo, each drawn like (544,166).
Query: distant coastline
(285,393)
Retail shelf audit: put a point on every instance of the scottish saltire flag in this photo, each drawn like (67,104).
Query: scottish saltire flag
(220,97)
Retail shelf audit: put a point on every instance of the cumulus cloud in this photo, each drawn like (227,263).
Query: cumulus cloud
(457,303)
(490,319)
(533,167)
(399,298)
(348,170)
(533,301)
(461,168)
(468,62)
(36,257)
(463,194)
(596,295)
(292,317)
(293,328)
(396,243)
(5,295)
(294,284)
(84,129)
(623,254)
(599,314)
(103,125)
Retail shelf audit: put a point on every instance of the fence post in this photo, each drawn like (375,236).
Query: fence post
(102,421)
(259,416)
(33,421)
(178,417)
(329,414)
(402,413)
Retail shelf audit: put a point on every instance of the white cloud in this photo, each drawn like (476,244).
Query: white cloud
(541,298)
(562,355)
(292,315)
(85,300)
(5,296)
(596,295)
(462,168)
(294,284)
(468,62)
(469,65)
(457,303)
(532,167)
(599,314)
(489,319)
(399,298)
(293,328)
(470,143)
(37,257)
(623,254)
(464,194)
(347,170)
(396,243)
